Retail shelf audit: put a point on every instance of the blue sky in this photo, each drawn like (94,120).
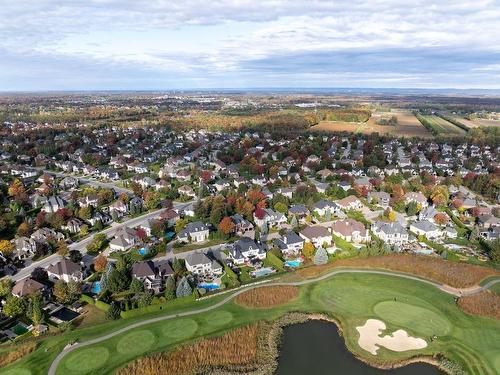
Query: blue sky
(158,44)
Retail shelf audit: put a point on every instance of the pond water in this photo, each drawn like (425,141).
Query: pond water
(316,348)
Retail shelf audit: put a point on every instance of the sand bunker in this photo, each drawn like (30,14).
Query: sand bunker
(399,341)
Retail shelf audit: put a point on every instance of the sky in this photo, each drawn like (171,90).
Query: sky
(190,44)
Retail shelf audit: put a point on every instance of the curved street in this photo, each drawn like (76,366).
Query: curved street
(447,289)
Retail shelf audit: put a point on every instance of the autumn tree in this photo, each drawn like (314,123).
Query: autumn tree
(62,248)
(226,226)
(100,263)
(308,250)
(24,229)
(6,248)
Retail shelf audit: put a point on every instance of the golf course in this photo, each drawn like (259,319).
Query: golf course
(419,308)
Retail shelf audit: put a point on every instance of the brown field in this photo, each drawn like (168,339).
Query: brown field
(484,122)
(458,275)
(238,347)
(468,123)
(267,296)
(485,304)
(17,353)
(408,126)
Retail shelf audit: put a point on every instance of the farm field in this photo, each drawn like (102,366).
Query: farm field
(408,126)
(484,122)
(441,126)
(418,308)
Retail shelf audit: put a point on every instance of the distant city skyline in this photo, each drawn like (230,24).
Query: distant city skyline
(158,45)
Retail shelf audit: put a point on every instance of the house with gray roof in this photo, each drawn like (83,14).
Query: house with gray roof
(426,228)
(245,250)
(290,244)
(199,263)
(194,232)
(66,270)
(392,233)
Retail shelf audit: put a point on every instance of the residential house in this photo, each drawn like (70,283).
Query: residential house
(194,232)
(323,206)
(351,230)
(290,244)
(350,203)
(380,198)
(53,204)
(27,287)
(392,233)
(268,216)
(317,235)
(198,263)
(245,250)
(170,216)
(416,197)
(124,239)
(426,228)
(65,270)
(24,247)
(242,226)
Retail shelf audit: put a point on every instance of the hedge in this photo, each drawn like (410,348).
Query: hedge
(102,305)
(178,302)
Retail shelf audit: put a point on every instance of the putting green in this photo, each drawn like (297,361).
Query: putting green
(180,329)
(219,318)
(415,318)
(88,359)
(17,371)
(136,342)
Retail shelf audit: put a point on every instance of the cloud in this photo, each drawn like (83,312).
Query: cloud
(224,43)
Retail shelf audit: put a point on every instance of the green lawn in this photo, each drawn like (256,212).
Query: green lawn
(351,299)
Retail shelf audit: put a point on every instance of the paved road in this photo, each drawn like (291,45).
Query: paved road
(444,288)
(82,245)
(90,181)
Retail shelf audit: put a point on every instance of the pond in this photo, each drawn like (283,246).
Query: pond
(316,348)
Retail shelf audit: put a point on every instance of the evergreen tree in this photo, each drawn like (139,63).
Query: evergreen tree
(294,223)
(170,288)
(114,311)
(177,266)
(136,286)
(321,257)
(183,288)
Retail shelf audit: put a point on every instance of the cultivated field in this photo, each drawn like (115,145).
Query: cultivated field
(441,126)
(407,126)
(484,122)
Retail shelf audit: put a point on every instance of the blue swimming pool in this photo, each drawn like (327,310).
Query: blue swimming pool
(142,251)
(169,235)
(96,288)
(293,263)
(208,286)
(263,272)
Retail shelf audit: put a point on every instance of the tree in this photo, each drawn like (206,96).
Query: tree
(177,265)
(6,248)
(61,291)
(145,299)
(183,288)
(6,287)
(281,207)
(62,248)
(100,263)
(136,286)
(97,244)
(308,250)
(226,226)
(75,256)
(441,218)
(180,225)
(118,281)
(24,229)
(321,256)
(39,274)
(411,209)
(294,223)
(14,306)
(114,311)
(170,288)
(34,310)
(392,216)
(84,230)
(152,200)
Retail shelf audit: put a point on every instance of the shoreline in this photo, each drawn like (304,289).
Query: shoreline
(267,358)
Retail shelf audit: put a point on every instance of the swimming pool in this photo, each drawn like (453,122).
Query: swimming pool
(142,251)
(263,272)
(208,286)
(293,263)
(96,288)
